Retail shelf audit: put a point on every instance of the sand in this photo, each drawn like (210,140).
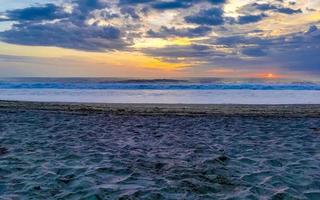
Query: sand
(123,151)
(298,110)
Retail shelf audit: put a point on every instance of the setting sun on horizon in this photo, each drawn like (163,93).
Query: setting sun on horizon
(270,75)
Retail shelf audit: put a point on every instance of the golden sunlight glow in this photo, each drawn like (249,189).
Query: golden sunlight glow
(68,8)
(232,7)
(221,72)
(115,59)
(280,24)
(160,43)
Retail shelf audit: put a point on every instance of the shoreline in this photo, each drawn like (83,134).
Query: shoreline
(292,110)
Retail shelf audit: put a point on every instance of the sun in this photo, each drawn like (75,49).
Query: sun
(270,75)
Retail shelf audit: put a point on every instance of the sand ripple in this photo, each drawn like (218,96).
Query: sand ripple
(51,155)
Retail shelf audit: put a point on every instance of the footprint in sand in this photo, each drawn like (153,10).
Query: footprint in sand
(316,130)
(3,151)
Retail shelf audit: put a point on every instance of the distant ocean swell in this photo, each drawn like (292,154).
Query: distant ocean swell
(159,86)
(169,91)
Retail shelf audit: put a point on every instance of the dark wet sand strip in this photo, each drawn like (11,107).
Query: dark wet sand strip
(169,109)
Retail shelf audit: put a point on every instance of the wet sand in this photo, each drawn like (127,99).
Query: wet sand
(122,151)
(299,110)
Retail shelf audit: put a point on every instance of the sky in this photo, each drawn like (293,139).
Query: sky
(160,38)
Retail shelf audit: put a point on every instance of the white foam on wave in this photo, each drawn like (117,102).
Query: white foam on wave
(164,96)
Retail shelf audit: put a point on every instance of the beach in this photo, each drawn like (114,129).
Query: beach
(152,151)
(159,100)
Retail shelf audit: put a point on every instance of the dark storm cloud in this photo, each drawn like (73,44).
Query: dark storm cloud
(83,8)
(176,4)
(65,34)
(173,52)
(304,56)
(130,11)
(166,5)
(70,31)
(45,12)
(275,8)
(125,2)
(165,32)
(88,5)
(298,51)
(232,41)
(213,16)
(217,1)
(246,19)
(254,52)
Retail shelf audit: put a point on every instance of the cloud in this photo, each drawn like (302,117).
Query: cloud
(170,4)
(45,12)
(49,25)
(217,1)
(246,19)
(213,16)
(130,11)
(88,5)
(165,32)
(312,29)
(296,52)
(274,8)
(254,52)
(174,53)
(166,5)
(177,4)
(65,34)
(233,41)
(126,2)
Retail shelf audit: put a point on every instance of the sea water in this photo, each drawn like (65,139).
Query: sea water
(168,91)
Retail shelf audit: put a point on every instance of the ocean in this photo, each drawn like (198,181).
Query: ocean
(166,91)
